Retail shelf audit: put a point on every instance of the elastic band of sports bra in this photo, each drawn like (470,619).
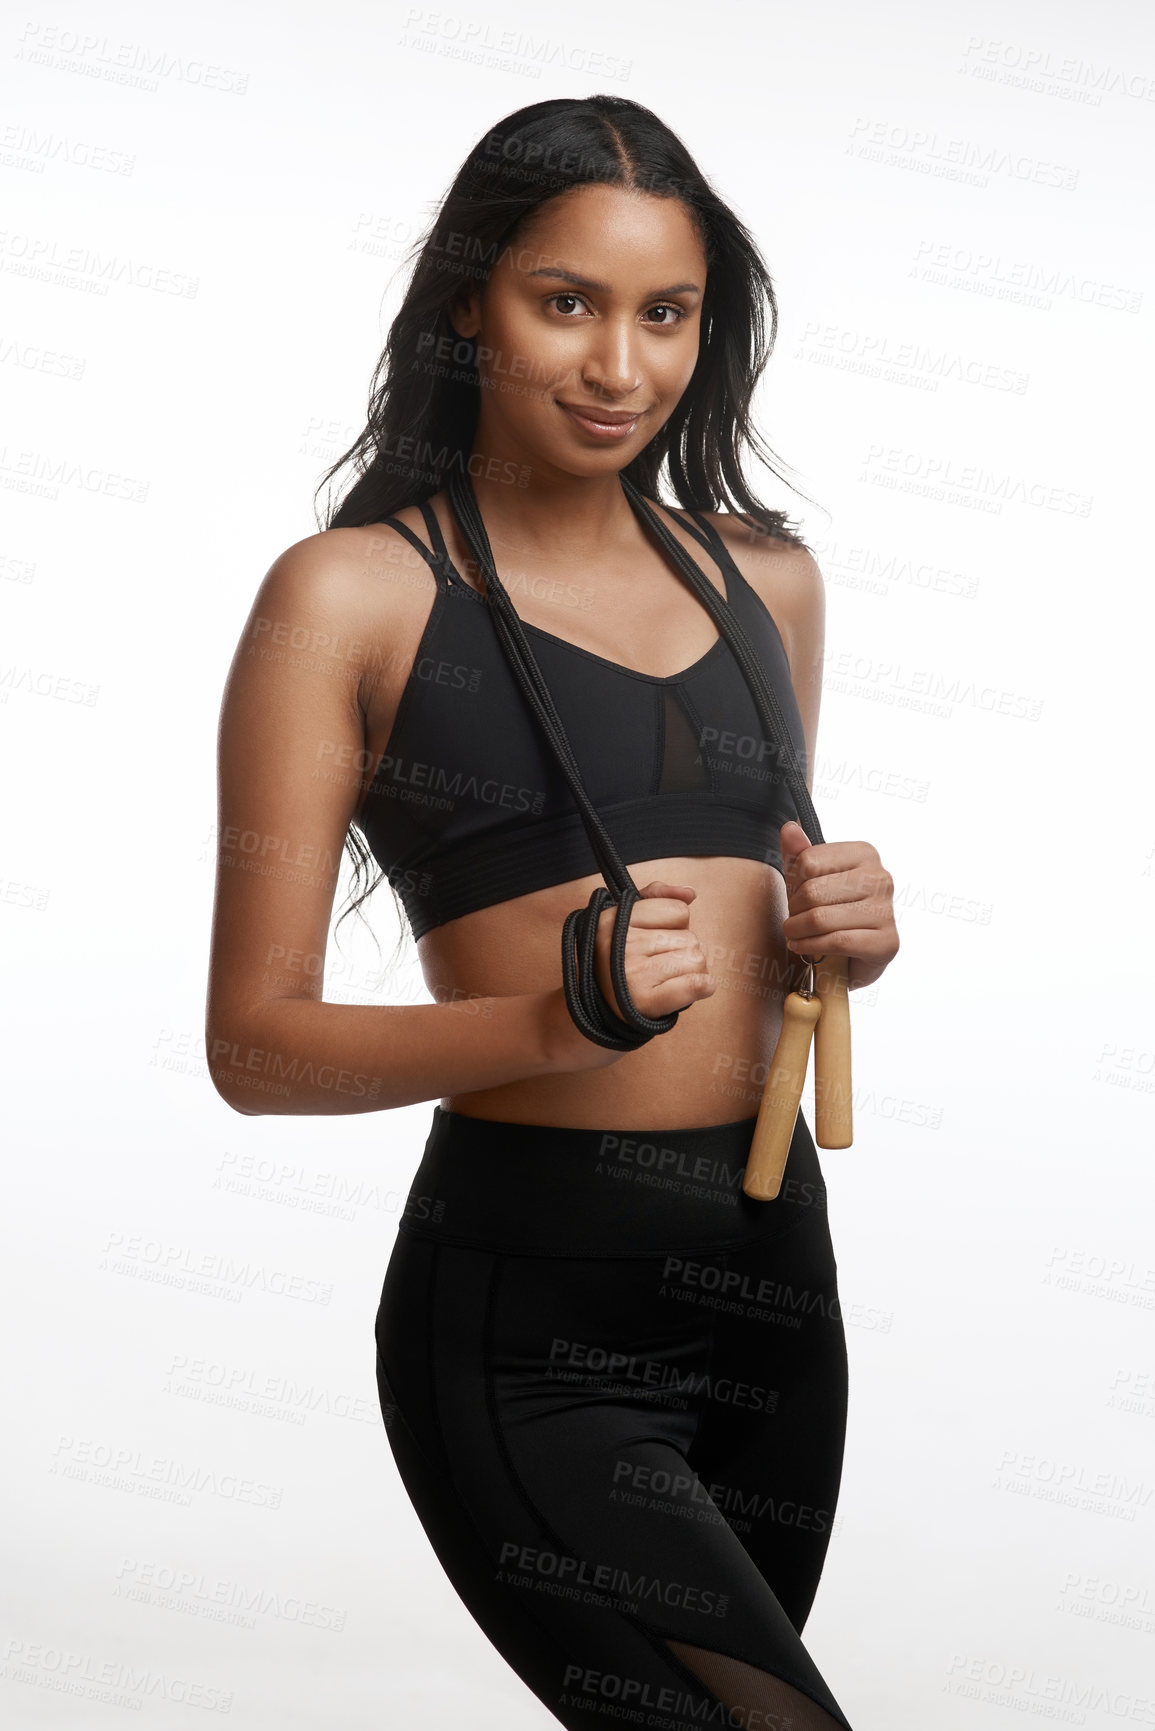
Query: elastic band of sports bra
(545,1190)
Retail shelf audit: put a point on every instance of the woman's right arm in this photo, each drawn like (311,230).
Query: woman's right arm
(292,733)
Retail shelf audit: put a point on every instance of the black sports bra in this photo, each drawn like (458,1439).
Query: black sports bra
(468,806)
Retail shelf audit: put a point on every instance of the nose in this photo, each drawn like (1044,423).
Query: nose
(610,367)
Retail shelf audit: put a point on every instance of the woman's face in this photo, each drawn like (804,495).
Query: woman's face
(593,312)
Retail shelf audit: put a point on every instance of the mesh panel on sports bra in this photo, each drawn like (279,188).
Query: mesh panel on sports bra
(753,1697)
(683,761)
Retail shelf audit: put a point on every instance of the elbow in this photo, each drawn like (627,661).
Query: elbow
(226,1073)
(225,1084)
(245,1111)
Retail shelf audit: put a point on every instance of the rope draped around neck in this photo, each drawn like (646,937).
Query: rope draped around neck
(593,1016)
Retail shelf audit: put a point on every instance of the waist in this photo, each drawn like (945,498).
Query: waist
(547,1190)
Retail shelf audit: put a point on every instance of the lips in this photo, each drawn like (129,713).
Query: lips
(603,423)
(609,417)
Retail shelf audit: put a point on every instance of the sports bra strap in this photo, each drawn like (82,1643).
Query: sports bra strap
(702,534)
(414,540)
(714,544)
(704,530)
(708,538)
(435,535)
(436,558)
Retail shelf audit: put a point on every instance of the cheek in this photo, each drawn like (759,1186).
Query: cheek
(541,356)
(682,361)
(510,341)
(671,371)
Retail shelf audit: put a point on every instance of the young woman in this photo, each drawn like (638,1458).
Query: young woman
(613,1383)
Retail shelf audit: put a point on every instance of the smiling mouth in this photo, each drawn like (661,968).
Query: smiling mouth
(609,421)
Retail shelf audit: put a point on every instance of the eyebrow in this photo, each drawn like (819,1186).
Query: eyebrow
(605,287)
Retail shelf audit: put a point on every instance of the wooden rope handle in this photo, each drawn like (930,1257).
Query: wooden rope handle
(774,1129)
(833,1126)
(826,1018)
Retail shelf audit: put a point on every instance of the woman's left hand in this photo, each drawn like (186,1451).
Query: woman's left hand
(841,902)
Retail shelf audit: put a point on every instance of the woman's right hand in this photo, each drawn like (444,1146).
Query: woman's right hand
(664,962)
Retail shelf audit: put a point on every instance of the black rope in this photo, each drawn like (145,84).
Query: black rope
(591,1013)
(763,693)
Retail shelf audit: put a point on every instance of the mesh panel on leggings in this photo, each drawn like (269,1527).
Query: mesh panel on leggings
(752,1696)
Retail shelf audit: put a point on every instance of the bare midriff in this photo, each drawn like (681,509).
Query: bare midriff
(711,1066)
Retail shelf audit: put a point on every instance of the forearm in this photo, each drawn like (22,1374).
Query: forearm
(300,1055)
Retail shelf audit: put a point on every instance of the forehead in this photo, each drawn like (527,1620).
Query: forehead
(622,233)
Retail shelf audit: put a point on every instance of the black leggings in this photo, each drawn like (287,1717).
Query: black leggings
(615,1389)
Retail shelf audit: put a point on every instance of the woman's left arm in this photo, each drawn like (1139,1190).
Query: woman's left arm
(840,896)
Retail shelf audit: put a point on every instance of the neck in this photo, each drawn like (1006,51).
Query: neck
(582,514)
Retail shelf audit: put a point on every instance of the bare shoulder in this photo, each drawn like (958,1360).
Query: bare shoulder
(345,593)
(340,567)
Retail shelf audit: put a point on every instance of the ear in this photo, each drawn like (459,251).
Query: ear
(465,314)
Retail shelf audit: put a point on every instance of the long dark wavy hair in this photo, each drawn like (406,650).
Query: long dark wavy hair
(423,416)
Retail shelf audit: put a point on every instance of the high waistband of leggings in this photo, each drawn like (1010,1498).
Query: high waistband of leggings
(545,1190)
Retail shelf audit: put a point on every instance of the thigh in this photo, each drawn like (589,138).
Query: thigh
(544,1415)
(771,1443)
(439,1325)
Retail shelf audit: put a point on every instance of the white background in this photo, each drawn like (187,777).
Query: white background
(954,203)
